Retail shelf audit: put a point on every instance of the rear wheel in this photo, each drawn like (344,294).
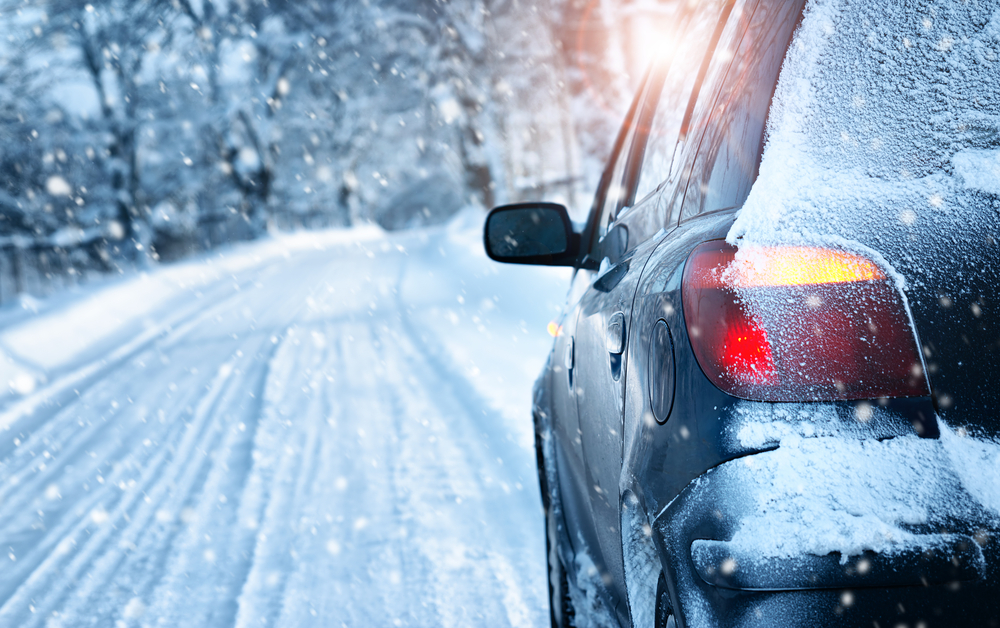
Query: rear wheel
(560,604)
(664,610)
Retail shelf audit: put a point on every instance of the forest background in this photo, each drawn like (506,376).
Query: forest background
(135,132)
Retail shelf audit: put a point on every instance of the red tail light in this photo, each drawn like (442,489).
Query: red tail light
(799,324)
(746,350)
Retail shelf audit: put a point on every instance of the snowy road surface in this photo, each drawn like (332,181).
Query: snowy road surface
(316,430)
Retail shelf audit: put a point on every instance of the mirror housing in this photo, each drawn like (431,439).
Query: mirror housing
(531,233)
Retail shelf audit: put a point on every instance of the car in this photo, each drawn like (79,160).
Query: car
(754,417)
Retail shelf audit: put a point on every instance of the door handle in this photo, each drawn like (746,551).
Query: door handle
(615,338)
(611,277)
(568,358)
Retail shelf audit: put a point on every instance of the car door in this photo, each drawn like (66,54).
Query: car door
(566,362)
(622,240)
(720,163)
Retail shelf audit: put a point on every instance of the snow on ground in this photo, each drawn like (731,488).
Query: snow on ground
(316,430)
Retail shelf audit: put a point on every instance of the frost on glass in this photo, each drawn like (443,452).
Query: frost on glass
(879,113)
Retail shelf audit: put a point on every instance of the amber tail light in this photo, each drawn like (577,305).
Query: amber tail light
(799,324)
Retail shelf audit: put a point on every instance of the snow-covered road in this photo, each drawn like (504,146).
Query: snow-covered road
(316,430)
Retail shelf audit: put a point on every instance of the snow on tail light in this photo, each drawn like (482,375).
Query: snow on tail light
(799,324)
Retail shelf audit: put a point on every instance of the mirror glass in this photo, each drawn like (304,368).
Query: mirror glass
(527,232)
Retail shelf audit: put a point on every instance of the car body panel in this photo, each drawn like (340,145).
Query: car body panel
(958,322)
(712,508)
(601,388)
(563,410)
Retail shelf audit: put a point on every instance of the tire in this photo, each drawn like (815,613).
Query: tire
(664,610)
(560,605)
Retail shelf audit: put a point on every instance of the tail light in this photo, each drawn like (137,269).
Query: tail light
(798,324)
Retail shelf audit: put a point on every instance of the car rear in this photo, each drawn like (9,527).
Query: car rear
(832,456)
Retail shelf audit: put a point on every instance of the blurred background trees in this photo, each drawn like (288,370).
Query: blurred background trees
(132,132)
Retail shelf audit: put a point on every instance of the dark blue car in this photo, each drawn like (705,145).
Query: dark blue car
(772,399)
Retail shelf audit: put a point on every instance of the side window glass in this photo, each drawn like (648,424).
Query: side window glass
(614,194)
(694,36)
(700,108)
(729,156)
(617,191)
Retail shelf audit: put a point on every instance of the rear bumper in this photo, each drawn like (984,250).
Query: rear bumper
(778,538)
(928,559)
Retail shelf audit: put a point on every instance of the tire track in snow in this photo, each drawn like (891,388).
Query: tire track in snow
(346,546)
(474,480)
(413,565)
(89,445)
(69,383)
(278,480)
(194,505)
(341,489)
(80,500)
(38,579)
(396,571)
(195,513)
(98,537)
(220,547)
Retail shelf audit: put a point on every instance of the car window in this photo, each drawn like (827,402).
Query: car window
(696,36)
(733,18)
(729,155)
(615,192)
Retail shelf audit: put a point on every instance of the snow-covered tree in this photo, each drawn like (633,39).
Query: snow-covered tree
(150,129)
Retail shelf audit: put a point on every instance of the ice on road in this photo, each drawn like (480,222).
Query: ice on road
(315,430)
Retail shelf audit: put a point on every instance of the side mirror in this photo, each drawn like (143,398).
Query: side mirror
(531,233)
